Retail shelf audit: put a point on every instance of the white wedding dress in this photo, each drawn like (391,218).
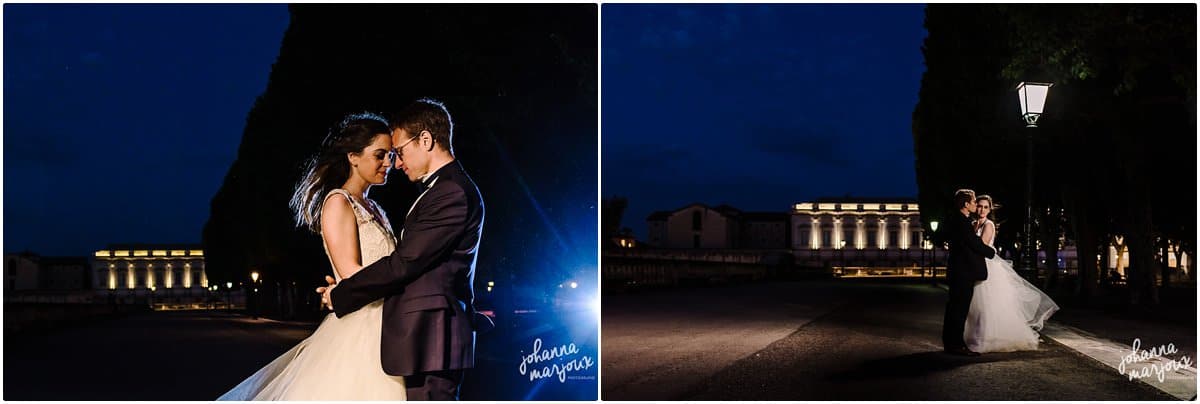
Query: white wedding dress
(340,360)
(1006,311)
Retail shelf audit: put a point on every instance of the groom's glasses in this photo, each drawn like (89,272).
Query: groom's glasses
(397,153)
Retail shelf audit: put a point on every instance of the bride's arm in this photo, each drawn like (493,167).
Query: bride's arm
(339,231)
(989,232)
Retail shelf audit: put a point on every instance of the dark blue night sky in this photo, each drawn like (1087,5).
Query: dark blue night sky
(757,106)
(120,121)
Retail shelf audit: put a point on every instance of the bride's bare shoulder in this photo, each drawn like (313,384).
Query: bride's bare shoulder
(987,224)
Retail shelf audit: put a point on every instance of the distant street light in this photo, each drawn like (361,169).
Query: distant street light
(254,284)
(933,225)
(924,254)
(843,252)
(1032,97)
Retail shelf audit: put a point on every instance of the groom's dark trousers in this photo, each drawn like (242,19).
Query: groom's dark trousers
(964,267)
(428,313)
(433,386)
(956,313)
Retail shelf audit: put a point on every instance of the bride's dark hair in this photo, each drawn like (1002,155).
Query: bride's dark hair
(329,168)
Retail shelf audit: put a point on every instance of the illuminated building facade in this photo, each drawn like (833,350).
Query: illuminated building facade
(858,232)
(148,269)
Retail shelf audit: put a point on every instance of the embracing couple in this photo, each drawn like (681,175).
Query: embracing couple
(991,308)
(403,323)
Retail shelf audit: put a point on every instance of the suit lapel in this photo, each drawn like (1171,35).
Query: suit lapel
(437,176)
(413,208)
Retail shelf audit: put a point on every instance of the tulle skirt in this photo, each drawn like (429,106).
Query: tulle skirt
(339,361)
(1006,311)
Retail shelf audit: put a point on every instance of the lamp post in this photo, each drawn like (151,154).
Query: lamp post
(254,285)
(924,262)
(933,225)
(1032,97)
(229,297)
(843,251)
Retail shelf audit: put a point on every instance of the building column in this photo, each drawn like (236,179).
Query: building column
(881,238)
(815,234)
(860,233)
(837,233)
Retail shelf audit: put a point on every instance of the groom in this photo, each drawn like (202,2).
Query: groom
(429,314)
(964,267)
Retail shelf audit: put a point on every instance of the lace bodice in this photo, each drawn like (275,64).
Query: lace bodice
(375,239)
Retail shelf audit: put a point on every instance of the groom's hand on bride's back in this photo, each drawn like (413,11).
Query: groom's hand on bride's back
(326,301)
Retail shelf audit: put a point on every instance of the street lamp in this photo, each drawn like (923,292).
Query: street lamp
(1033,101)
(1032,97)
(254,285)
(933,225)
(843,251)
(924,254)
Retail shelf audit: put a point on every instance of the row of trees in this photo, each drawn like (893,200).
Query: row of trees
(1115,152)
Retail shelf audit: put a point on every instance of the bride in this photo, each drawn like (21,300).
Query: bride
(1006,310)
(341,359)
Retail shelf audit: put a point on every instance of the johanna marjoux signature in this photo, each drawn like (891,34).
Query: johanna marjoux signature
(558,361)
(1141,363)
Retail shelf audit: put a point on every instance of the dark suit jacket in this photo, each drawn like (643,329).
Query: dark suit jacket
(967,251)
(427,281)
